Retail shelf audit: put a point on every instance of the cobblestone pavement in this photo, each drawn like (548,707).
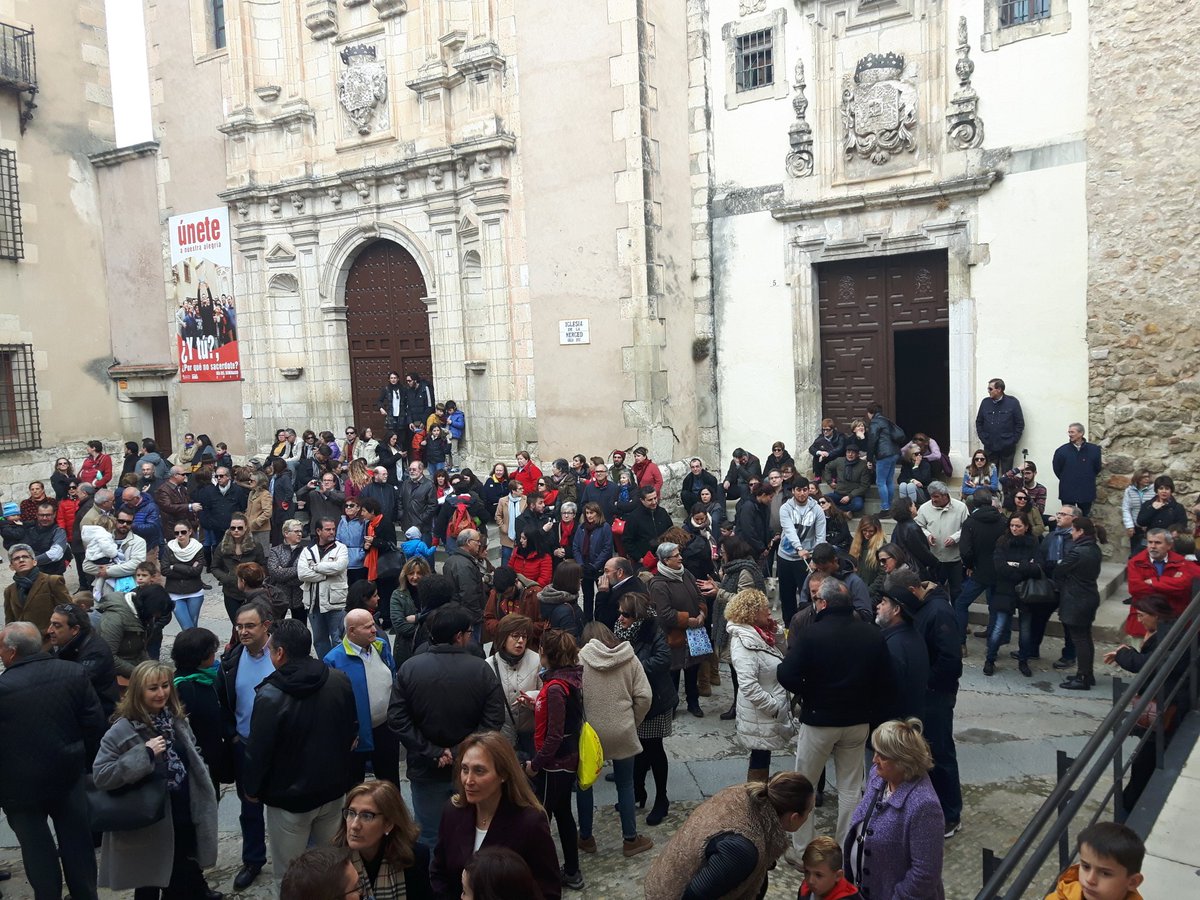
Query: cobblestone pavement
(1007,728)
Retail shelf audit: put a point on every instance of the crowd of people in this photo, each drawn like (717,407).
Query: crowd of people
(367,618)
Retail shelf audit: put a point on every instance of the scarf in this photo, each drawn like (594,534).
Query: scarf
(588,528)
(767,636)
(206,677)
(511,660)
(25,583)
(667,572)
(185,554)
(626,632)
(163,722)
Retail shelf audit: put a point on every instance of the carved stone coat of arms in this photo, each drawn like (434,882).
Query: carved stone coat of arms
(879,111)
(362,87)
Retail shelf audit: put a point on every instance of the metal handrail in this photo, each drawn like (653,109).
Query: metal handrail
(1093,761)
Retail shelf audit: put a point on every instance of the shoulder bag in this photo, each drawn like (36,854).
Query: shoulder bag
(127,808)
(1036,590)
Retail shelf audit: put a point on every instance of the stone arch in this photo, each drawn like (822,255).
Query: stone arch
(341,257)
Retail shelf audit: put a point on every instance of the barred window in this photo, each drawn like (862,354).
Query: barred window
(1018,12)
(754,60)
(20,425)
(12,244)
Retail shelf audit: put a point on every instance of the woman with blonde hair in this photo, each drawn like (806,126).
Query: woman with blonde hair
(895,844)
(381,835)
(258,511)
(150,738)
(493,805)
(764,721)
(405,608)
(868,540)
(728,844)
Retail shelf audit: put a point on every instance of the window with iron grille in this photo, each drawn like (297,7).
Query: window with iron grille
(20,426)
(12,244)
(1018,12)
(218,23)
(754,59)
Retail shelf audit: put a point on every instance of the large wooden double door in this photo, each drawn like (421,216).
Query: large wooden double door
(387,325)
(884,324)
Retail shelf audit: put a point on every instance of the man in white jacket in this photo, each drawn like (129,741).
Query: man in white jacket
(941,517)
(322,570)
(802,527)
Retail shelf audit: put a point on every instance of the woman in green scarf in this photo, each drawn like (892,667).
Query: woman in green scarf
(195,656)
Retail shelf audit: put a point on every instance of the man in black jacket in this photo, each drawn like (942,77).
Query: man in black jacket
(417,502)
(977,544)
(908,658)
(462,568)
(696,478)
(304,705)
(934,621)
(615,582)
(52,724)
(418,399)
(73,639)
(647,521)
(837,668)
(218,502)
(752,521)
(538,519)
(999,424)
(742,468)
(439,698)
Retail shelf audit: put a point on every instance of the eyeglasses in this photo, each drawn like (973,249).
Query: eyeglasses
(24,557)
(915,455)
(625,614)
(124,521)
(350,434)
(181,531)
(364,816)
(361,888)
(1021,497)
(881,557)
(237,527)
(981,459)
(222,474)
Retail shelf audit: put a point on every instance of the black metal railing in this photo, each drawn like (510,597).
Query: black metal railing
(1010,877)
(18,67)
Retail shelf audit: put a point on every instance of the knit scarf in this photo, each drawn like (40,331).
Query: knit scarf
(511,659)
(767,636)
(626,632)
(667,572)
(206,677)
(163,722)
(185,554)
(25,583)
(588,528)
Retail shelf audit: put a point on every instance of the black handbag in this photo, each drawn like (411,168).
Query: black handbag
(1036,590)
(388,565)
(127,808)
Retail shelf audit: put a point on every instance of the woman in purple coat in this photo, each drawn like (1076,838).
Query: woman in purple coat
(894,848)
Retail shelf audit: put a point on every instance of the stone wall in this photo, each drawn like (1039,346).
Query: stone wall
(1144,267)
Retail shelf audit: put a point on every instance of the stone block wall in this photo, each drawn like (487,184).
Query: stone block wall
(1144,266)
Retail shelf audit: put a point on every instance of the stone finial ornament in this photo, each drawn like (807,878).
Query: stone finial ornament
(799,161)
(879,110)
(965,128)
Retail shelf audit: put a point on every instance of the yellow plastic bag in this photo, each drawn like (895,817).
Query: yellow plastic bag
(591,756)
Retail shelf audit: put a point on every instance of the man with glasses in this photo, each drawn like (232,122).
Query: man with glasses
(828,446)
(462,568)
(417,502)
(131,550)
(298,757)
(351,448)
(52,724)
(33,595)
(321,568)
(174,504)
(242,669)
(999,424)
(48,540)
(599,490)
(146,520)
(218,502)
(236,547)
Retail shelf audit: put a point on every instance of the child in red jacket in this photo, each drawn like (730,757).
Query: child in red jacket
(823,876)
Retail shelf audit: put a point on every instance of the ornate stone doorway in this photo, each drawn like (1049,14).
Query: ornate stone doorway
(885,331)
(387,325)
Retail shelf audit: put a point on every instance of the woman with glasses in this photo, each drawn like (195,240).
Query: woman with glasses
(980,473)
(837,523)
(888,559)
(493,805)
(680,608)
(915,474)
(182,566)
(282,569)
(381,835)
(60,480)
(151,737)
(1021,504)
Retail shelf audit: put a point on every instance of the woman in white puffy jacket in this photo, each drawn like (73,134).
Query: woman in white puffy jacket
(764,721)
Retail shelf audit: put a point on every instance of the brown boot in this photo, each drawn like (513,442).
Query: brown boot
(702,680)
(714,671)
(760,775)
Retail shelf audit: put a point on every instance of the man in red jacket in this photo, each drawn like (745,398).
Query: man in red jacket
(1159,570)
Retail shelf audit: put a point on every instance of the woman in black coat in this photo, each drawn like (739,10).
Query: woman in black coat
(1014,558)
(1164,510)
(912,539)
(1077,578)
(837,524)
(195,656)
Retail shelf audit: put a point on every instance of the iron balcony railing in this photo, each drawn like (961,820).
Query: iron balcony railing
(18,67)
(1011,877)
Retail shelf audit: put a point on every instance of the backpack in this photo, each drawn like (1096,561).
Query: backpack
(460,519)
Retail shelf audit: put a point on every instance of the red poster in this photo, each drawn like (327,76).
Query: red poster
(205,313)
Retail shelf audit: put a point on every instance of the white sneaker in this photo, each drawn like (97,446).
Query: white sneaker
(952,828)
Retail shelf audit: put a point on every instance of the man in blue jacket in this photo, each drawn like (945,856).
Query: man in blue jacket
(368,662)
(1076,465)
(999,424)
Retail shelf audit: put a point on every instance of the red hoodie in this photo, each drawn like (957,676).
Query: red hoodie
(841,891)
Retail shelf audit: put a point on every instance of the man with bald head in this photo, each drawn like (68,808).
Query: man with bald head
(367,660)
(146,523)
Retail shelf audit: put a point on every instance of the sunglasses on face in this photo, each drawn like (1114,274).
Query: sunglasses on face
(181,531)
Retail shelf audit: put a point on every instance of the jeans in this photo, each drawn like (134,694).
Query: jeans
(187,611)
(885,471)
(293,832)
(211,539)
(428,798)
(1033,621)
(814,745)
(254,829)
(855,505)
(939,732)
(912,492)
(326,628)
(505,554)
(1001,630)
(971,590)
(792,573)
(40,855)
(585,803)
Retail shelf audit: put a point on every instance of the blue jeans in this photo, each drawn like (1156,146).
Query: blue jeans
(327,630)
(41,857)
(855,505)
(912,492)
(428,798)
(1032,624)
(584,802)
(505,554)
(971,589)
(885,471)
(939,732)
(1000,631)
(187,611)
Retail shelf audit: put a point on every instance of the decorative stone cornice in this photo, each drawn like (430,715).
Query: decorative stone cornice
(294,113)
(390,8)
(910,195)
(479,59)
(321,19)
(118,155)
(432,76)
